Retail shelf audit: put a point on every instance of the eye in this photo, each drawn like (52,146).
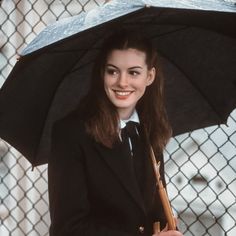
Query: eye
(111,71)
(134,72)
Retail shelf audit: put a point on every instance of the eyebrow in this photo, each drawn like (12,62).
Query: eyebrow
(130,68)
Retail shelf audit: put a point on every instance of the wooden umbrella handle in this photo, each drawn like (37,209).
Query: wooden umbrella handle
(163,194)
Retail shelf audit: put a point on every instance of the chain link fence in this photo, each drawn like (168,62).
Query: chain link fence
(200,166)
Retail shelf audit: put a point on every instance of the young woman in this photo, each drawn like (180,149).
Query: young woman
(101,182)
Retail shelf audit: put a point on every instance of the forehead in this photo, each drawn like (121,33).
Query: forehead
(129,57)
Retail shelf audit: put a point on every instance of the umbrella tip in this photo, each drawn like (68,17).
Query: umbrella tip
(147,5)
(18,57)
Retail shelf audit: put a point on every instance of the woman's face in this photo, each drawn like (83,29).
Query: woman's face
(126,77)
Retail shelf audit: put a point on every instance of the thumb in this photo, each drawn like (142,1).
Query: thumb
(165,229)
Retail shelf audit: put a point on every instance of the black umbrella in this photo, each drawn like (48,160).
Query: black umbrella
(197,48)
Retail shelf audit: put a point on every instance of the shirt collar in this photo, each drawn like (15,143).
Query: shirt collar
(134,117)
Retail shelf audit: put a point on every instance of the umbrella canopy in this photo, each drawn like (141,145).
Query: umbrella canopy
(196,41)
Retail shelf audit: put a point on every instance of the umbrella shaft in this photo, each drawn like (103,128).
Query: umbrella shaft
(163,195)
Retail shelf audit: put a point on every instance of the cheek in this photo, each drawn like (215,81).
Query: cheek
(143,86)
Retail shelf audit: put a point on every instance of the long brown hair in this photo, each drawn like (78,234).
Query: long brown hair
(101,117)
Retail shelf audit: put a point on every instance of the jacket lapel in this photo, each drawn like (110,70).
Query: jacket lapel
(120,163)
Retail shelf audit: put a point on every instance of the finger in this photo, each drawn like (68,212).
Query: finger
(156,227)
(169,233)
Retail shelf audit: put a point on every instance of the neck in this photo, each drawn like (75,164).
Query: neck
(124,114)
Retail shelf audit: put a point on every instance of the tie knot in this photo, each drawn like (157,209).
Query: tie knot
(131,128)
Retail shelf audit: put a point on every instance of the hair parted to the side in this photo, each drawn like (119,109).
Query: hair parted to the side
(102,118)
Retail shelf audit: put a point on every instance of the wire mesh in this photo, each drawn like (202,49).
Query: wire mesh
(200,166)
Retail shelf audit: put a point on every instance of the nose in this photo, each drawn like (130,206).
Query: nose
(123,80)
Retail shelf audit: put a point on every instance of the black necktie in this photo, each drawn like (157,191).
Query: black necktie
(131,132)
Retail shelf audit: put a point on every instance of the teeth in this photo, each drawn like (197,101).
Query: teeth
(122,93)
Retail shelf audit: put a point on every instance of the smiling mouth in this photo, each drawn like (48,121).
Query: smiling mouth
(122,93)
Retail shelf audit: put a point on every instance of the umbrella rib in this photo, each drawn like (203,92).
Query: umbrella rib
(168,32)
(195,86)
(171,32)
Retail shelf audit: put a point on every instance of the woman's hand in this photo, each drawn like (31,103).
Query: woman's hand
(166,232)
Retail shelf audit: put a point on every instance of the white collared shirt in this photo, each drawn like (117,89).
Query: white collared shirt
(134,117)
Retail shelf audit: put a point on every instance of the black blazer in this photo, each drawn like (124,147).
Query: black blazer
(92,190)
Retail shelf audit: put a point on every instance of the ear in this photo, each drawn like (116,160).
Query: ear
(151,76)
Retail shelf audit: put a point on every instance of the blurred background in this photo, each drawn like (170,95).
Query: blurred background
(200,166)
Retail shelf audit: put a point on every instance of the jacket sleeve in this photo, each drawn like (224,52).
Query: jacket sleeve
(68,195)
